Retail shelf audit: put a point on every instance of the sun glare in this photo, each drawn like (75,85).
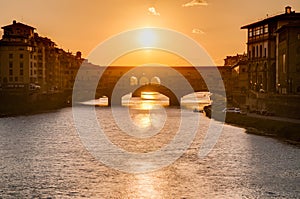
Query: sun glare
(147,38)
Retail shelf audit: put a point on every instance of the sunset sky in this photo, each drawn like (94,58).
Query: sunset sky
(81,25)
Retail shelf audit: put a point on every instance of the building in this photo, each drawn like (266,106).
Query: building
(288,59)
(239,78)
(233,60)
(238,64)
(272,58)
(31,63)
(18,58)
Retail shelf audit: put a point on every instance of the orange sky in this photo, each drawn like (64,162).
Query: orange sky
(82,25)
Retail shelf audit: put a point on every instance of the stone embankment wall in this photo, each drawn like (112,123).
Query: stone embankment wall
(279,105)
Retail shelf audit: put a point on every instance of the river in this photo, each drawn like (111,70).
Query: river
(42,156)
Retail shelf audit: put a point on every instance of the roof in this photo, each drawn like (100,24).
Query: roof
(17,24)
(285,16)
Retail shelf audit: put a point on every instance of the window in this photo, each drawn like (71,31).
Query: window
(250,32)
(10,64)
(257,31)
(10,72)
(21,56)
(266,29)
(21,72)
(265,54)
(260,50)
(283,63)
(299,36)
(253,51)
(21,64)
(11,56)
(256,51)
(10,79)
(261,30)
(16,79)
(30,64)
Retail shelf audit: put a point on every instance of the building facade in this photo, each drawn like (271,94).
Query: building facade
(288,59)
(265,52)
(31,63)
(238,64)
(18,58)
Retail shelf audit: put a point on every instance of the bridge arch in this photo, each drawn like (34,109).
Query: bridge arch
(173,99)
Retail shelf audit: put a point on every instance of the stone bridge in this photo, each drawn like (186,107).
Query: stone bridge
(174,82)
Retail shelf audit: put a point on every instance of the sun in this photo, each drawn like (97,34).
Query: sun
(147,37)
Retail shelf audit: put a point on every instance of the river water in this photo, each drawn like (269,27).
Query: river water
(42,156)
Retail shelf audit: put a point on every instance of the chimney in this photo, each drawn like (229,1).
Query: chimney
(14,22)
(288,10)
(78,55)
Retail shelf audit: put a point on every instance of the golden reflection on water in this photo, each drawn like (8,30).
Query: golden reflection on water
(148,101)
(150,95)
(145,186)
(142,120)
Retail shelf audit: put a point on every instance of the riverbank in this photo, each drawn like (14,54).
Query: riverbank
(266,126)
(282,128)
(31,104)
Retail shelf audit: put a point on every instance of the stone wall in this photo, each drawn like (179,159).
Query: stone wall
(279,105)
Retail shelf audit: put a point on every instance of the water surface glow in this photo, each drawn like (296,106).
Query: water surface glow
(42,156)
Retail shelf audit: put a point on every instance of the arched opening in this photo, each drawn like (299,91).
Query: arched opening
(133,81)
(144,81)
(156,89)
(256,84)
(264,82)
(155,80)
(272,78)
(196,100)
(147,100)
